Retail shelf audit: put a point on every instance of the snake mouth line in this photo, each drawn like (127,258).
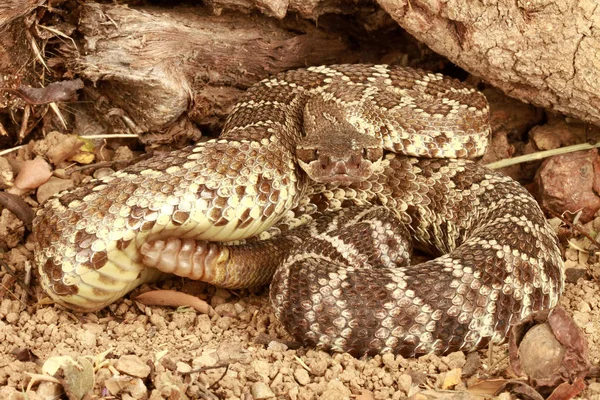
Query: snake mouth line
(343,179)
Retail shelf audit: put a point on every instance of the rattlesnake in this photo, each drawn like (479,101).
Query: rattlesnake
(341,281)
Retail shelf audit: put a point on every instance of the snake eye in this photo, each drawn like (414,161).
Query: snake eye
(315,154)
(307,155)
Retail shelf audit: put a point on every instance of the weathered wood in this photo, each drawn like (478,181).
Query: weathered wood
(157,65)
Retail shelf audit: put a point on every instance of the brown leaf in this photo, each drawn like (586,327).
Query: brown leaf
(66,147)
(55,91)
(487,386)
(521,390)
(24,354)
(566,331)
(566,391)
(172,298)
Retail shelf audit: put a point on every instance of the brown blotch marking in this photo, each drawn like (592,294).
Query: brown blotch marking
(215,214)
(262,198)
(264,184)
(83,239)
(274,197)
(64,290)
(240,190)
(52,270)
(137,212)
(99,292)
(220,202)
(122,244)
(222,222)
(180,217)
(105,280)
(98,260)
(147,225)
(244,220)
(133,223)
(43,237)
(268,211)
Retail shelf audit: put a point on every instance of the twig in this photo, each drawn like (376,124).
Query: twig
(19,281)
(541,155)
(3,152)
(221,377)
(111,136)
(103,164)
(208,368)
(3,131)
(24,122)
(573,226)
(59,115)
(27,282)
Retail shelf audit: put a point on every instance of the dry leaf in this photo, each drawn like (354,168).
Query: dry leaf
(520,390)
(85,154)
(75,375)
(55,91)
(67,147)
(566,391)
(172,298)
(487,386)
(24,354)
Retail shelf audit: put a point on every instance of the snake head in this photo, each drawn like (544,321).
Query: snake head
(339,157)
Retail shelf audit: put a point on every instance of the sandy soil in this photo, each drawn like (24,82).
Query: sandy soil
(140,352)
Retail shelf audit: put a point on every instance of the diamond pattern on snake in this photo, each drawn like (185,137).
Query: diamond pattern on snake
(322,182)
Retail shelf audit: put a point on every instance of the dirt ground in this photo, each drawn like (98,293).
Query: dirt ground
(137,352)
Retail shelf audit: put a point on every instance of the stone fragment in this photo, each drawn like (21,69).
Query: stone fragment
(260,390)
(132,365)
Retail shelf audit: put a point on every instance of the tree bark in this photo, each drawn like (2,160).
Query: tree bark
(546,52)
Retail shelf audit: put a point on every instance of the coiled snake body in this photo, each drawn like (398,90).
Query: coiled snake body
(342,281)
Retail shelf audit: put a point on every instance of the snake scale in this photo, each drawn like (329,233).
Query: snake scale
(318,177)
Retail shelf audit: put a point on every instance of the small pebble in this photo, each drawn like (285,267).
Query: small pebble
(594,387)
(274,345)
(183,368)
(260,390)
(335,391)
(583,307)
(51,187)
(205,360)
(262,368)
(405,383)
(301,376)
(132,365)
